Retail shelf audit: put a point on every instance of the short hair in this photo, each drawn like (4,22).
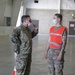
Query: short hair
(59,16)
(24,17)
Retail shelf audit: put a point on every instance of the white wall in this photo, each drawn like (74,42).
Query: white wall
(68,4)
(51,4)
(19,17)
(2,10)
(8,9)
(15,12)
(43,4)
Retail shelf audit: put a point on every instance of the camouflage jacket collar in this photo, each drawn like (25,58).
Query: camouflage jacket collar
(23,27)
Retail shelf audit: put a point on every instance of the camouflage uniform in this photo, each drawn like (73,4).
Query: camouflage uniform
(56,66)
(22,39)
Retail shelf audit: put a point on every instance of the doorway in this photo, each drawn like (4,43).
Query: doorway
(72,28)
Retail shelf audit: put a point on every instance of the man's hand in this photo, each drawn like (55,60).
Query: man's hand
(59,57)
(46,55)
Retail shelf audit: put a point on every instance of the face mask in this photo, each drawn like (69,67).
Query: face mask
(29,24)
(54,21)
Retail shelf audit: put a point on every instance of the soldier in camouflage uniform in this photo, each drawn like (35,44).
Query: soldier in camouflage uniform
(22,40)
(54,54)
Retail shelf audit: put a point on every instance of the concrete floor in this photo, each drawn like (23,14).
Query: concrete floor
(39,63)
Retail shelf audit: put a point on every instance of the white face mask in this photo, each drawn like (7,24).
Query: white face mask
(54,21)
(29,24)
